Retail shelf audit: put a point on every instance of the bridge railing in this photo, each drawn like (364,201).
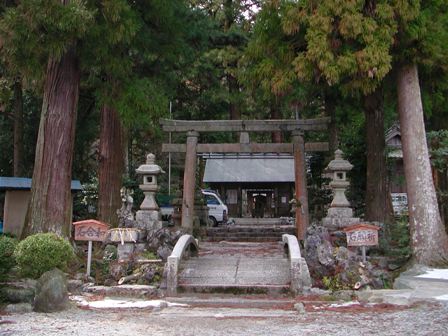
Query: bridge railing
(300,275)
(186,244)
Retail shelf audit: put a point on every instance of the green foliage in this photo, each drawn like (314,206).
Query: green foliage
(353,144)
(143,100)
(7,260)
(38,29)
(398,242)
(101,267)
(438,145)
(149,255)
(42,252)
(335,283)
(268,57)
(210,87)
(423,32)
(85,203)
(347,43)
(31,108)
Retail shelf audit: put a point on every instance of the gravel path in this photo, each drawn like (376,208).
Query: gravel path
(423,319)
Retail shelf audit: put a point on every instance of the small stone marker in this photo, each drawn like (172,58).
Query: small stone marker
(363,235)
(90,230)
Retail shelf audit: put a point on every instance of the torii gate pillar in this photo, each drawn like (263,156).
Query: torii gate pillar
(302,216)
(189,181)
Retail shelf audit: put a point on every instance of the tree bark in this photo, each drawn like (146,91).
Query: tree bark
(275,114)
(234,109)
(111,166)
(50,206)
(378,201)
(429,240)
(232,82)
(18,168)
(333,136)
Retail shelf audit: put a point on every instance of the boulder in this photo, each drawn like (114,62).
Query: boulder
(74,286)
(325,254)
(119,269)
(51,292)
(110,282)
(110,252)
(164,236)
(300,307)
(328,258)
(17,294)
(164,252)
(18,308)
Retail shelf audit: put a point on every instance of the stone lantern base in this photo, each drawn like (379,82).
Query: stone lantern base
(148,220)
(338,218)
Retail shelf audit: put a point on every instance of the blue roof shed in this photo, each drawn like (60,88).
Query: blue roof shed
(23,183)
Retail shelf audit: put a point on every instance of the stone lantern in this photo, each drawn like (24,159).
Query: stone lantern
(339,184)
(148,217)
(149,171)
(339,214)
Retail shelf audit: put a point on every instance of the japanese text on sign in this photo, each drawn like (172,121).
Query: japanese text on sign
(90,232)
(362,238)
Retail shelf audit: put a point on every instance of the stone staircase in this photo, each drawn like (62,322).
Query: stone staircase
(251,230)
(236,268)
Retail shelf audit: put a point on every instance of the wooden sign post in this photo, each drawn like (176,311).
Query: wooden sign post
(90,230)
(362,235)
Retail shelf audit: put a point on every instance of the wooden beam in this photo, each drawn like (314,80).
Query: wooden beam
(189,182)
(301,196)
(246,148)
(285,125)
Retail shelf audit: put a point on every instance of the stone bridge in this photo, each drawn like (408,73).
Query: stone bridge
(237,267)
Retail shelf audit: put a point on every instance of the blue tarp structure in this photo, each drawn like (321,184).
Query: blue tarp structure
(23,183)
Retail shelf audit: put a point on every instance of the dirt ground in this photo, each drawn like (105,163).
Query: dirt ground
(319,319)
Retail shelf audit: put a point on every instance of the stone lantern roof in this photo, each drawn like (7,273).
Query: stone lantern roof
(339,164)
(149,168)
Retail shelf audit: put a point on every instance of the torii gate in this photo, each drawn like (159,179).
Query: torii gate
(297,148)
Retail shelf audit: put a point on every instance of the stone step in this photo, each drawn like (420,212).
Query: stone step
(244,239)
(233,301)
(250,234)
(236,268)
(247,231)
(271,290)
(263,221)
(235,274)
(233,228)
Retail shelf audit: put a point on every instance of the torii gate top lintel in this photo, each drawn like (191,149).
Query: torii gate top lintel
(194,127)
(286,125)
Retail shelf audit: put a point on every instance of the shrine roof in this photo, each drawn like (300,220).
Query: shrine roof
(261,168)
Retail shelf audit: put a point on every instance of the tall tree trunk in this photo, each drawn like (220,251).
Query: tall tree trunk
(378,202)
(18,129)
(275,114)
(111,166)
(232,82)
(234,109)
(50,206)
(429,240)
(333,135)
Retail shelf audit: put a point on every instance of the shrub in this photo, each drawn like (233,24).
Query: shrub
(42,252)
(7,260)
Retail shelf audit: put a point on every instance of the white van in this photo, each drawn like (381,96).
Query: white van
(217,210)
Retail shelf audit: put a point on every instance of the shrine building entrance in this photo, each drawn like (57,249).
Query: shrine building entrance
(259,198)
